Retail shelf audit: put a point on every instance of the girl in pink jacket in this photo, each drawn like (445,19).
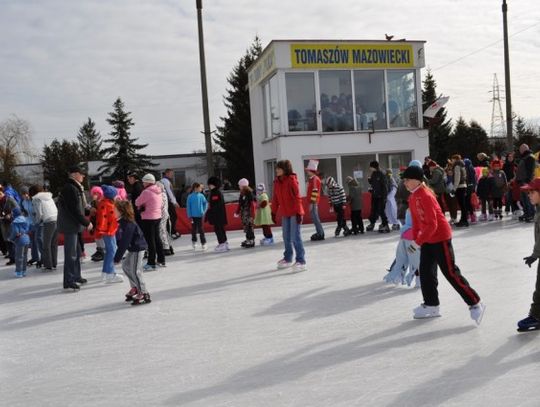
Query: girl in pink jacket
(149,205)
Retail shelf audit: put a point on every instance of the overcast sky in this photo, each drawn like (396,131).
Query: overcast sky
(63,60)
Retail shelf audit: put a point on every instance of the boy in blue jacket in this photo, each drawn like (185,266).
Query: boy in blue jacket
(19,237)
(196,207)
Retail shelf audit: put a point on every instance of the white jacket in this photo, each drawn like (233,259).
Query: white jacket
(45,209)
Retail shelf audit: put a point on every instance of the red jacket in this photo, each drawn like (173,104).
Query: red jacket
(314,189)
(286,196)
(429,223)
(105,219)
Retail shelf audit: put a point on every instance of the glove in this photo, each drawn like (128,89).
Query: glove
(530,260)
(413,248)
(274,217)
(299,219)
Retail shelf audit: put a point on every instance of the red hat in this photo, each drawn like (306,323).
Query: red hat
(534,185)
(432,163)
(496,162)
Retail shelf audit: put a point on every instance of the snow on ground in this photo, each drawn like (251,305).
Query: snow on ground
(230,330)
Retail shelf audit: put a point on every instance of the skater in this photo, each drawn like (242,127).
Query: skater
(121,193)
(149,204)
(437,181)
(532,322)
(499,188)
(460,188)
(106,226)
(20,239)
(405,266)
(355,201)
(45,215)
(164,227)
(130,238)
(524,175)
(245,211)
(338,200)
(314,196)
(509,169)
(136,188)
(216,215)
(484,190)
(471,187)
(263,215)
(196,207)
(432,233)
(450,194)
(402,197)
(390,209)
(286,198)
(27,208)
(7,204)
(379,192)
(172,203)
(97,196)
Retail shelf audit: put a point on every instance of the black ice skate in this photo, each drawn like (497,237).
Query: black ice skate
(141,299)
(370,227)
(528,324)
(384,229)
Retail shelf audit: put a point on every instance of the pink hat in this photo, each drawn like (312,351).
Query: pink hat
(243,183)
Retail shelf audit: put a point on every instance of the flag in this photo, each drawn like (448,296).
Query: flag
(432,110)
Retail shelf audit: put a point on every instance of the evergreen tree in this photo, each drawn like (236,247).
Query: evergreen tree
(56,159)
(439,127)
(90,142)
(234,137)
(525,134)
(122,156)
(468,140)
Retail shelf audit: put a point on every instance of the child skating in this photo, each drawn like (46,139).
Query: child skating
(314,196)
(216,215)
(196,207)
(21,240)
(338,200)
(130,238)
(432,233)
(532,322)
(263,215)
(245,211)
(355,200)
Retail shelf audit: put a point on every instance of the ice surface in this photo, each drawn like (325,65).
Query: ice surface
(230,330)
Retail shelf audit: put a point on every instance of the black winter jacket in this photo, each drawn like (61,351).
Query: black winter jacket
(71,208)
(129,236)
(216,213)
(379,184)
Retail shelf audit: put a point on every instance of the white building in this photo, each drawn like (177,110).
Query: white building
(345,103)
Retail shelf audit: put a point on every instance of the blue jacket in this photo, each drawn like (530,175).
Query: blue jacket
(10,191)
(129,236)
(19,232)
(196,205)
(28,211)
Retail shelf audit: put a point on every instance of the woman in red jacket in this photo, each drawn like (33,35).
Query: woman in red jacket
(432,233)
(286,197)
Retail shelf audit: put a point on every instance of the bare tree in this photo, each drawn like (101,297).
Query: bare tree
(15,146)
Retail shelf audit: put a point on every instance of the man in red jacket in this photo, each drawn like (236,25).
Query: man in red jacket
(314,195)
(432,233)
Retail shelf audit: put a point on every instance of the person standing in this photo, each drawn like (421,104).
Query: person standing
(106,227)
(172,203)
(263,215)
(338,200)
(27,208)
(286,198)
(216,214)
(149,204)
(460,188)
(245,211)
(390,209)
(509,169)
(437,182)
(18,235)
(71,222)
(355,201)
(314,196)
(379,192)
(45,216)
(524,175)
(7,204)
(136,188)
(432,233)
(196,208)
(499,189)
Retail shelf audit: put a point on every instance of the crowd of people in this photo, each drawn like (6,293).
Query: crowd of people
(141,224)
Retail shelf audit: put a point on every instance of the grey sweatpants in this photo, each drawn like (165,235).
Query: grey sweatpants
(49,252)
(132,267)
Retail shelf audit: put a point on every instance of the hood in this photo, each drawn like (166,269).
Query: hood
(43,196)
(468,163)
(154,188)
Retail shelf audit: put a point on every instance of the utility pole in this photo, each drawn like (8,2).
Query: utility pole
(509,126)
(204,90)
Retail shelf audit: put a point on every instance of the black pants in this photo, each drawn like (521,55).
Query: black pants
(377,209)
(356,221)
(173,217)
(340,218)
(461,195)
(197,227)
(150,228)
(486,204)
(219,230)
(72,258)
(535,306)
(497,205)
(442,254)
(267,231)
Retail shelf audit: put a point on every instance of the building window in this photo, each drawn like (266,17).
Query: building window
(266,109)
(275,111)
(370,100)
(402,109)
(357,166)
(336,101)
(394,161)
(301,109)
(270,168)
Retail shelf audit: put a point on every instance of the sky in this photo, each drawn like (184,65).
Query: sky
(63,61)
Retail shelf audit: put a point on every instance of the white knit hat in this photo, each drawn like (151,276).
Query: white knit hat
(243,183)
(149,179)
(312,165)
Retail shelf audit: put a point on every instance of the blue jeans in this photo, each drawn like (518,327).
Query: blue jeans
(292,236)
(314,212)
(37,242)
(21,257)
(110,251)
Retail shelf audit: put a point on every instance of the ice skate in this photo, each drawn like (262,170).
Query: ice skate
(19,274)
(162,265)
(337,232)
(483,217)
(114,278)
(283,264)
(417,282)
(267,241)
(221,248)
(370,227)
(528,324)
(141,299)
(426,311)
(473,218)
(384,228)
(347,232)
(194,245)
(396,227)
(491,217)
(477,312)
(72,286)
(204,247)
(248,244)
(98,255)
(149,267)
(299,267)
(317,237)
(131,293)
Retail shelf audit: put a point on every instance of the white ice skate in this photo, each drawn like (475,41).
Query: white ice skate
(283,264)
(204,247)
(426,311)
(194,246)
(417,282)
(299,266)
(477,312)
(114,278)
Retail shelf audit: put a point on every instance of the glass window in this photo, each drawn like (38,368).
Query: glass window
(270,175)
(272,107)
(357,166)
(336,100)
(266,107)
(301,107)
(402,110)
(327,168)
(394,161)
(370,100)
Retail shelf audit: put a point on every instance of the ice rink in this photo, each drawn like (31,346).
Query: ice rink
(230,330)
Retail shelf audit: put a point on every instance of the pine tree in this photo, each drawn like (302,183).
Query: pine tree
(56,159)
(524,134)
(234,137)
(122,156)
(90,142)
(468,139)
(439,127)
